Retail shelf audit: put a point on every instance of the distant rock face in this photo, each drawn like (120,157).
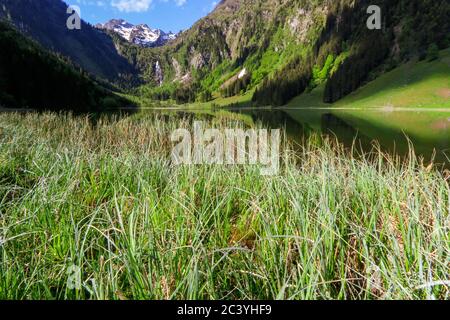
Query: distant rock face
(141,34)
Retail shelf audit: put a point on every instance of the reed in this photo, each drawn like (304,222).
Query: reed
(104,197)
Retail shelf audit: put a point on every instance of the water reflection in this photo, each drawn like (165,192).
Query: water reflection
(428,131)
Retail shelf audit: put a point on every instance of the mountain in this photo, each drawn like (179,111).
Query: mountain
(89,48)
(141,34)
(271,50)
(30,76)
(289,47)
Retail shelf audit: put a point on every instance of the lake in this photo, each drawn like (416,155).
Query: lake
(428,130)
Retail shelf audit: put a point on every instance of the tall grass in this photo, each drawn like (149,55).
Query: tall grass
(104,197)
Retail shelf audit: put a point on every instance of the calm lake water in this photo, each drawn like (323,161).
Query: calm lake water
(427,130)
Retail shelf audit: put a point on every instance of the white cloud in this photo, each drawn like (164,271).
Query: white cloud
(132,5)
(180,2)
(99,3)
(139,5)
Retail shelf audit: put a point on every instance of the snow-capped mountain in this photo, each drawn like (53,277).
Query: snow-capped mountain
(140,34)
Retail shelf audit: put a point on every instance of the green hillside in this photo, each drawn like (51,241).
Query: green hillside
(30,76)
(412,100)
(416,84)
(273,50)
(45,22)
(278,49)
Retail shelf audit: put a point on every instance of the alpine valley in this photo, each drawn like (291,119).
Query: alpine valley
(262,52)
(274,150)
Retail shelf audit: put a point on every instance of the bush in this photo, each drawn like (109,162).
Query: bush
(205,96)
(433,52)
(110,103)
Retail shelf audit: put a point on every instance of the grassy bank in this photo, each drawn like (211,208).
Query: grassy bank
(416,84)
(104,197)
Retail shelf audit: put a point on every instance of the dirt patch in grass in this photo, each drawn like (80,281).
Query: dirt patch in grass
(442,124)
(444,93)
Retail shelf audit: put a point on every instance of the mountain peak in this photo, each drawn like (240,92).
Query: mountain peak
(140,34)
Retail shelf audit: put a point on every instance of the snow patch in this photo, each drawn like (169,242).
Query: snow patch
(243,73)
(140,34)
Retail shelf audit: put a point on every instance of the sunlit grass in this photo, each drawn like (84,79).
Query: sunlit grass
(104,196)
(416,84)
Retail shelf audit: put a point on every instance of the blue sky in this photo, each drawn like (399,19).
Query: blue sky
(168,15)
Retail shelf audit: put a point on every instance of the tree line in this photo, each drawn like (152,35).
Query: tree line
(410,28)
(32,77)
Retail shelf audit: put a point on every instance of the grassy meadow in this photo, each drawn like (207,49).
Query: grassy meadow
(103,196)
(414,85)
(412,100)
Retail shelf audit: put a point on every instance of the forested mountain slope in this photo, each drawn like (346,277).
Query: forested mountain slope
(282,48)
(32,77)
(413,85)
(93,50)
(277,49)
